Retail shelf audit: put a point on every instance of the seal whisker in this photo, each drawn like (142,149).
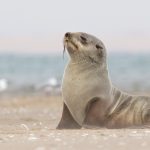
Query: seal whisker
(64,51)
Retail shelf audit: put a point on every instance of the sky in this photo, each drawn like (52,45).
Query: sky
(38,26)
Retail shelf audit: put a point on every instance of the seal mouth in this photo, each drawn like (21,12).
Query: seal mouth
(64,51)
(65,43)
(69,43)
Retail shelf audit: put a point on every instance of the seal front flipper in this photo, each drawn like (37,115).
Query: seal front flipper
(67,121)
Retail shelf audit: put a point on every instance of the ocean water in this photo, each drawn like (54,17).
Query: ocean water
(130,71)
(43,72)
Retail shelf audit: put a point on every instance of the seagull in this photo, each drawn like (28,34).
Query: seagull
(3,84)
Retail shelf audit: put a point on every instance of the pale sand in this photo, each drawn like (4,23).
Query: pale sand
(28,123)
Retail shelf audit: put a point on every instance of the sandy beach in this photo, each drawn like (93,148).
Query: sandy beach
(29,123)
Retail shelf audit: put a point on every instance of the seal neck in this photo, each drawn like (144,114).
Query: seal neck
(87,63)
(83,58)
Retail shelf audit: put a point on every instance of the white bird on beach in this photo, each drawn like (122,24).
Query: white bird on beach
(3,84)
(52,82)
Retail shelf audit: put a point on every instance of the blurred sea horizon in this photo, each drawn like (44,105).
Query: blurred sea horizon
(42,73)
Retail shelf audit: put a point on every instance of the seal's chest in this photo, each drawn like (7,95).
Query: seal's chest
(79,81)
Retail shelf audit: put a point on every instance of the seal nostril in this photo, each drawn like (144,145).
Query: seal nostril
(67,34)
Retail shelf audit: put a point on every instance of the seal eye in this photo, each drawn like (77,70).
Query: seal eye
(98,46)
(83,40)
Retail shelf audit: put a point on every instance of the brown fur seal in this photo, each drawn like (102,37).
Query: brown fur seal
(89,97)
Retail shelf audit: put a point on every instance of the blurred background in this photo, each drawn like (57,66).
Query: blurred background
(31,33)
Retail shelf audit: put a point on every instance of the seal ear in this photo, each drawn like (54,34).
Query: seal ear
(99,48)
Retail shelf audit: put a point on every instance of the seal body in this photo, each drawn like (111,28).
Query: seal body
(80,85)
(89,97)
(128,110)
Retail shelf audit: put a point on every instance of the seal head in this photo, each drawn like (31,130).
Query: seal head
(84,47)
